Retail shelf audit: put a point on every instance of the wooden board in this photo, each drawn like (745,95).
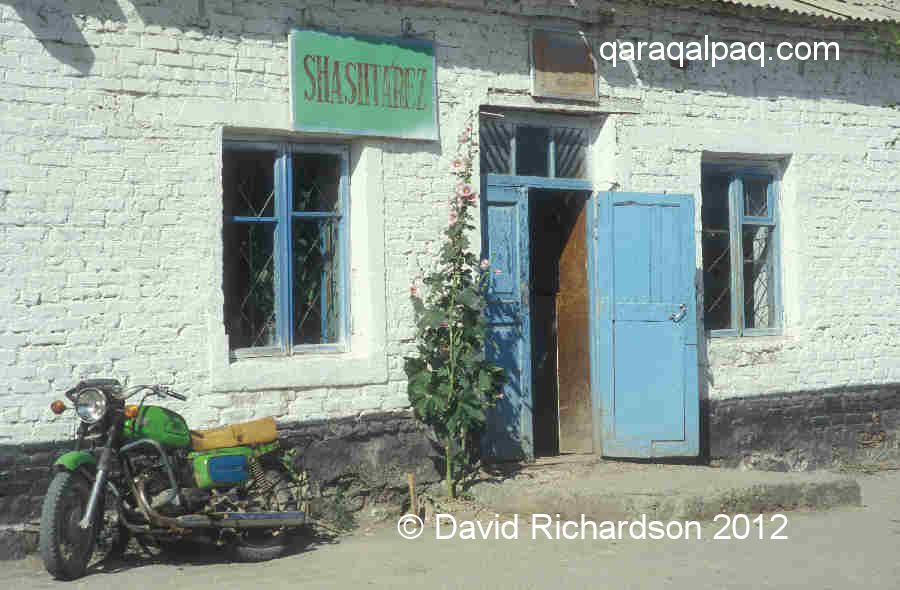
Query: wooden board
(562,66)
(573,343)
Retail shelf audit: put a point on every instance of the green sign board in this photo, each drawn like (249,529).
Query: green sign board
(360,85)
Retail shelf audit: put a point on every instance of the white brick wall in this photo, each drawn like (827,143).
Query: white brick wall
(110,198)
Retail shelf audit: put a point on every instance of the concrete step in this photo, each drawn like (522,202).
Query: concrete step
(16,541)
(607,490)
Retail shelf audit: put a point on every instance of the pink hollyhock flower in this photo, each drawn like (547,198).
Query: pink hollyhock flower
(485,263)
(457,165)
(413,291)
(465,190)
(453,218)
(498,271)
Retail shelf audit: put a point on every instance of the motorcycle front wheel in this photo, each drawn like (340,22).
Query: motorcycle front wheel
(66,548)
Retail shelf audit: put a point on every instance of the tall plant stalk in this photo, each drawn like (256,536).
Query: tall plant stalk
(451,382)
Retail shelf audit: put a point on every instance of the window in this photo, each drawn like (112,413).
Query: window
(284,233)
(740,252)
(531,149)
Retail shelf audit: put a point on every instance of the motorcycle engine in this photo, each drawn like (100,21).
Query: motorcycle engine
(157,486)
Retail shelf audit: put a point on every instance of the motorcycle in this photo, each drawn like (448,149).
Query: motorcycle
(137,470)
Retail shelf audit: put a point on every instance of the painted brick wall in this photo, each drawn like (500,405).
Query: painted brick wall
(111,121)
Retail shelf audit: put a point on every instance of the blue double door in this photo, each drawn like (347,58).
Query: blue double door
(642,322)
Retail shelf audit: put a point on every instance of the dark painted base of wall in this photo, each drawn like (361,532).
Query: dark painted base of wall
(805,430)
(366,457)
(24,477)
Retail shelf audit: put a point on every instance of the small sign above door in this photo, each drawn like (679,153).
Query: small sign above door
(562,66)
(361,85)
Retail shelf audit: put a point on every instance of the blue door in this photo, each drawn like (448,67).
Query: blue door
(645,377)
(505,239)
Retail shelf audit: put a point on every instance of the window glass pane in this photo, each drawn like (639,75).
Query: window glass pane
(249,183)
(494,144)
(571,152)
(756,202)
(316,252)
(532,150)
(249,284)
(716,253)
(759,299)
(317,182)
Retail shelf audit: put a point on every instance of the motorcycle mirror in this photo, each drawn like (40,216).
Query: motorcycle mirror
(58,407)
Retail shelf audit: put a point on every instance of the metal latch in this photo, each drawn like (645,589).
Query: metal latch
(682,311)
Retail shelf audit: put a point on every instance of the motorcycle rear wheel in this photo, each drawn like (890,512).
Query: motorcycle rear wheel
(254,545)
(66,548)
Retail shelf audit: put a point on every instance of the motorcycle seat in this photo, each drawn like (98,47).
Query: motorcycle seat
(253,432)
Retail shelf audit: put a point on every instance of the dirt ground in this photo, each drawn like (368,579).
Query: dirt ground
(839,549)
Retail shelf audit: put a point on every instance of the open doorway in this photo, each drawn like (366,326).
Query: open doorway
(560,322)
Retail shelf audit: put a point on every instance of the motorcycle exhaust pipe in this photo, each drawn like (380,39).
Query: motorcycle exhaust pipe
(241,520)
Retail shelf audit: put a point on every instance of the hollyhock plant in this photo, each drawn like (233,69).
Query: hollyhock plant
(451,382)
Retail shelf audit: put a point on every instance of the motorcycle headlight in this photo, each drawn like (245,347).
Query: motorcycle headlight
(90,405)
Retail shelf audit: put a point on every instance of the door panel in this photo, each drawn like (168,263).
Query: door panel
(649,397)
(573,342)
(509,431)
(651,385)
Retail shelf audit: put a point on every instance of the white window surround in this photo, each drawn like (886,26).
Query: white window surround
(365,361)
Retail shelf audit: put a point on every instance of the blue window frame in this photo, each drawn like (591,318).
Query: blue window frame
(285,247)
(741,287)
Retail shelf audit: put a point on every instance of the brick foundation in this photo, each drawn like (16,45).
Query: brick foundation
(806,430)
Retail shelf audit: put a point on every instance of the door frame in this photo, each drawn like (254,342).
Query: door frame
(600,285)
(528,184)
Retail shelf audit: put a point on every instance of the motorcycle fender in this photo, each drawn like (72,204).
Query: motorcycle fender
(73,460)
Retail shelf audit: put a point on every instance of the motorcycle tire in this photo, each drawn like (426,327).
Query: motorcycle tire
(65,547)
(263,545)
(253,546)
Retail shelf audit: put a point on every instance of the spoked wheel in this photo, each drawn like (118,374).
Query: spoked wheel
(66,548)
(254,545)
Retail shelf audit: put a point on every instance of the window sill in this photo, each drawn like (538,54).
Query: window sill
(277,352)
(317,369)
(753,334)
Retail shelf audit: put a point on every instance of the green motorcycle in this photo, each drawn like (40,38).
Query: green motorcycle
(137,470)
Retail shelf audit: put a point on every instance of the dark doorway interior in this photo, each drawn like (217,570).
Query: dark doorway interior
(560,322)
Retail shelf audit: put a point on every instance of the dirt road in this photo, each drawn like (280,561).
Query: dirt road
(839,549)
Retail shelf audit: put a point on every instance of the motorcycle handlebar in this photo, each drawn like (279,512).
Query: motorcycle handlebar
(160,390)
(174,394)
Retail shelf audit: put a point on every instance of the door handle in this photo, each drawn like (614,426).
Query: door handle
(682,311)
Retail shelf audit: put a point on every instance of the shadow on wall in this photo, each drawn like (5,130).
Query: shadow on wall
(59,30)
(705,376)
(58,25)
